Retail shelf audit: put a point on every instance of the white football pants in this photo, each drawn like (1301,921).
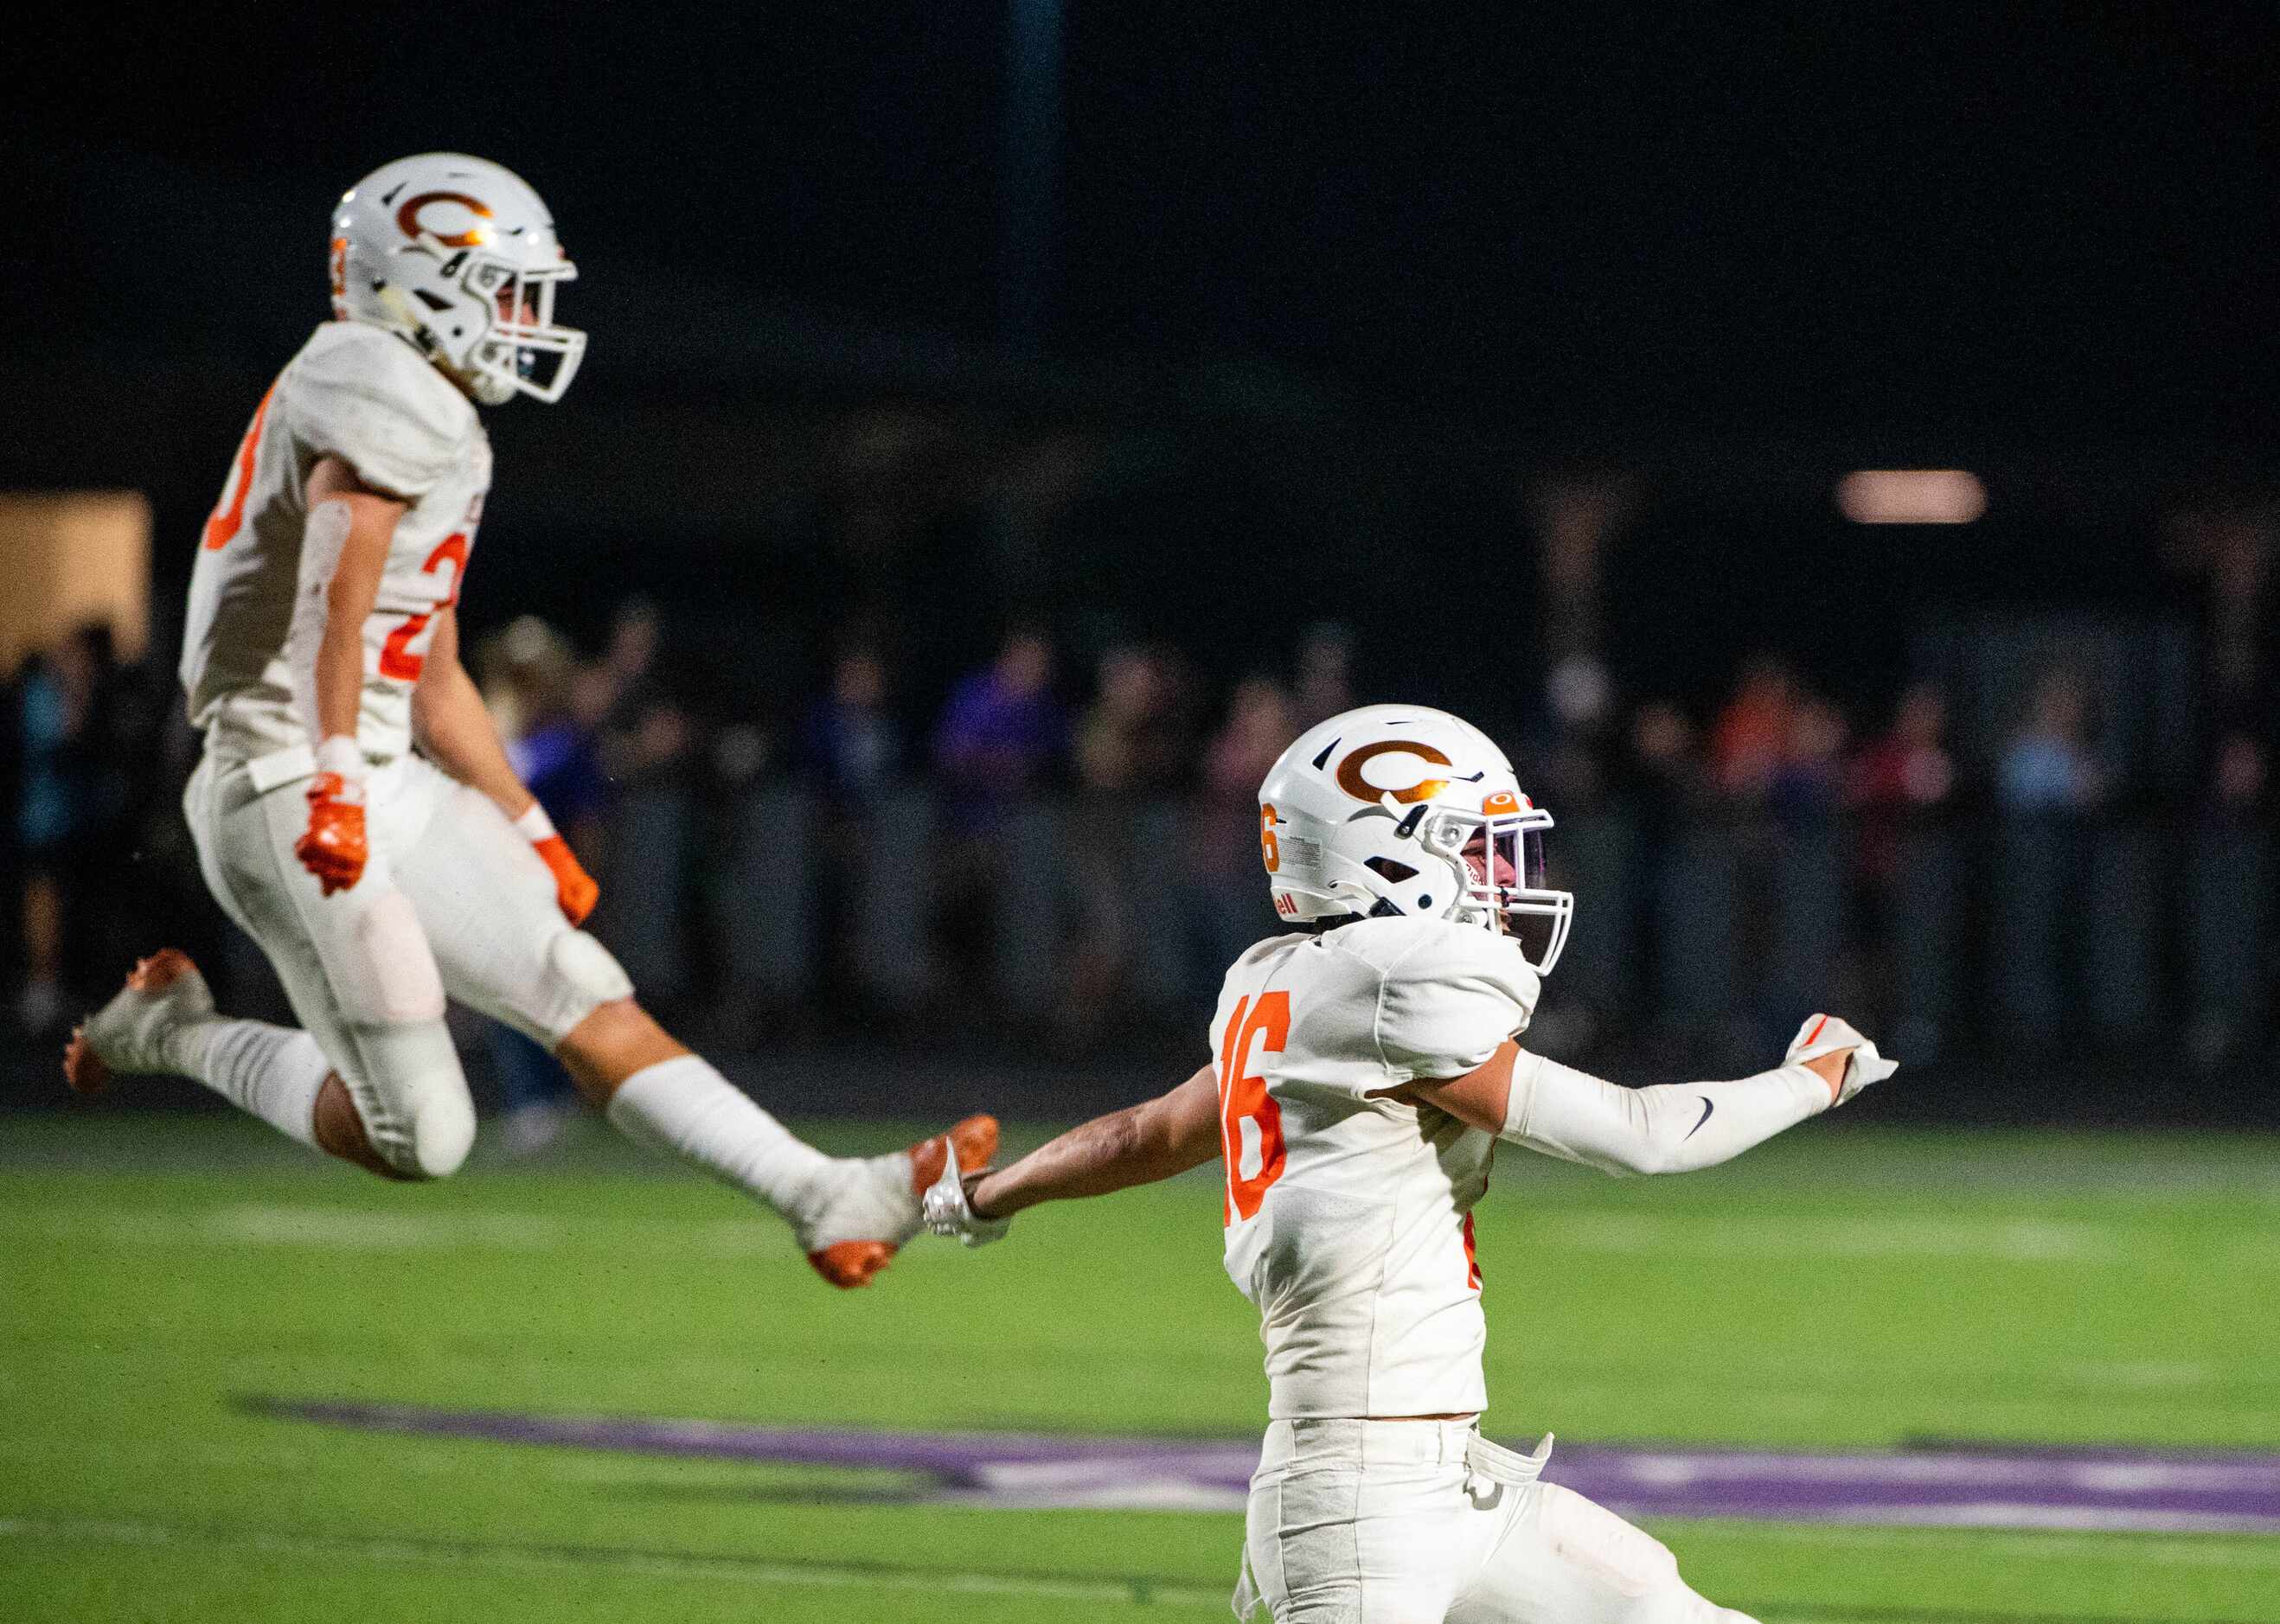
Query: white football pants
(452,901)
(1416,1522)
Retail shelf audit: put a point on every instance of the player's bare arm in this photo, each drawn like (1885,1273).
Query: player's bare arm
(454,727)
(344,554)
(1669,1128)
(456,732)
(365,520)
(1139,1144)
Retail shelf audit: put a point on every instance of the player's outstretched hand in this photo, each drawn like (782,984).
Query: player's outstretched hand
(1828,1034)
(333,849)
(948,1207)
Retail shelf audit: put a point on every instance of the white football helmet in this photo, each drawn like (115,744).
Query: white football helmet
(1401,809)
(459,256)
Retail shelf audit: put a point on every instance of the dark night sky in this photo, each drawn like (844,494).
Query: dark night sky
(1776,216)
(1769,239)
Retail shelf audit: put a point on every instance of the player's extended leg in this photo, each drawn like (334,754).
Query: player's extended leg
(1563,1560)
(850,1215)
(488,904)
(163,1020)
(372,1079)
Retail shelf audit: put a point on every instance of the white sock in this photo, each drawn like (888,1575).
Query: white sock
(273,1072)
(685,1108)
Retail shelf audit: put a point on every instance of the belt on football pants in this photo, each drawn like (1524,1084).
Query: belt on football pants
(1418,1443)
(290,766)
(281,767)
(1487,1464)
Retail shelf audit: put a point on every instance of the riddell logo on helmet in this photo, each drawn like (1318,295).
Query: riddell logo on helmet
(410,222)
(1351,781)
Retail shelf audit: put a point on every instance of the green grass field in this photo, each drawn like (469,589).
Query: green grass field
(1836,1289)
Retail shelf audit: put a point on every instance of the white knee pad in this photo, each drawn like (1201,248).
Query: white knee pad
(589,976)
(442,1133)
(413,1098)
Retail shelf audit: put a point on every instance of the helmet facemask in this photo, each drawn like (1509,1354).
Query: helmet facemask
(1503,858)
(517,350)
(1484,869)
(524,351)
(510,310)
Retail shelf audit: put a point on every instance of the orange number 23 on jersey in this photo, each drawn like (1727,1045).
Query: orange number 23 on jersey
(1250,1121)
(397,658)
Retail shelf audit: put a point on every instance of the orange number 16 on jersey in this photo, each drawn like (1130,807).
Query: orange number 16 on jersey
(1250,1121)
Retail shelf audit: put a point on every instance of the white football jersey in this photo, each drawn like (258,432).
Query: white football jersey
(365,396)
(1349,1219)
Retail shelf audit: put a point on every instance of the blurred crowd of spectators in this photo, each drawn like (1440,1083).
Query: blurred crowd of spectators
(95,748)
(1775,747)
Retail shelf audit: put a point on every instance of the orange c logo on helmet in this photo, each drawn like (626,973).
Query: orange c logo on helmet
(1354,784)
(407,218)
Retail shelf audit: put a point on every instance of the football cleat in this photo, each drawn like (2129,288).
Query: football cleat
(949,1213)
(128,1034)
(872,1205)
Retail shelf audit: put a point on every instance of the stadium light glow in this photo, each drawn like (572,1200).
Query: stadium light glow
(1911,496)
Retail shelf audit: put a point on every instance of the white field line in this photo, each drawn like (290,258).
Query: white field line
(318,1228)
(735,1570)
(2078,1243)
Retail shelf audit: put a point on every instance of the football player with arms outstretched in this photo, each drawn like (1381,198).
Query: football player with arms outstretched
(1367,1066)
(354,811)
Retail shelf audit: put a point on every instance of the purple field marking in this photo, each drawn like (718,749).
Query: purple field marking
(2165,1491)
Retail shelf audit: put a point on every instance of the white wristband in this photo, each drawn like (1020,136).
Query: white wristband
(535,824)
(338,755)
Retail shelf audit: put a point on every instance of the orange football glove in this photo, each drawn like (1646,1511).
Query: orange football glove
(573,888)
(333,849)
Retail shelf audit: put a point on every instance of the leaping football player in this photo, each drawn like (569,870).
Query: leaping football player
(354,811)
(1368,1062)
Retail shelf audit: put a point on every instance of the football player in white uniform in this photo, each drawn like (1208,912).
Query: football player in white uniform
(354,811)
(1368,1065)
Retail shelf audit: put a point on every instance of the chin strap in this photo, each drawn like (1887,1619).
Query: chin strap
(415,328)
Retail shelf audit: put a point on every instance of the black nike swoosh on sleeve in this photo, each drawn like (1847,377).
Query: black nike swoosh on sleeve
(1707,1107)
